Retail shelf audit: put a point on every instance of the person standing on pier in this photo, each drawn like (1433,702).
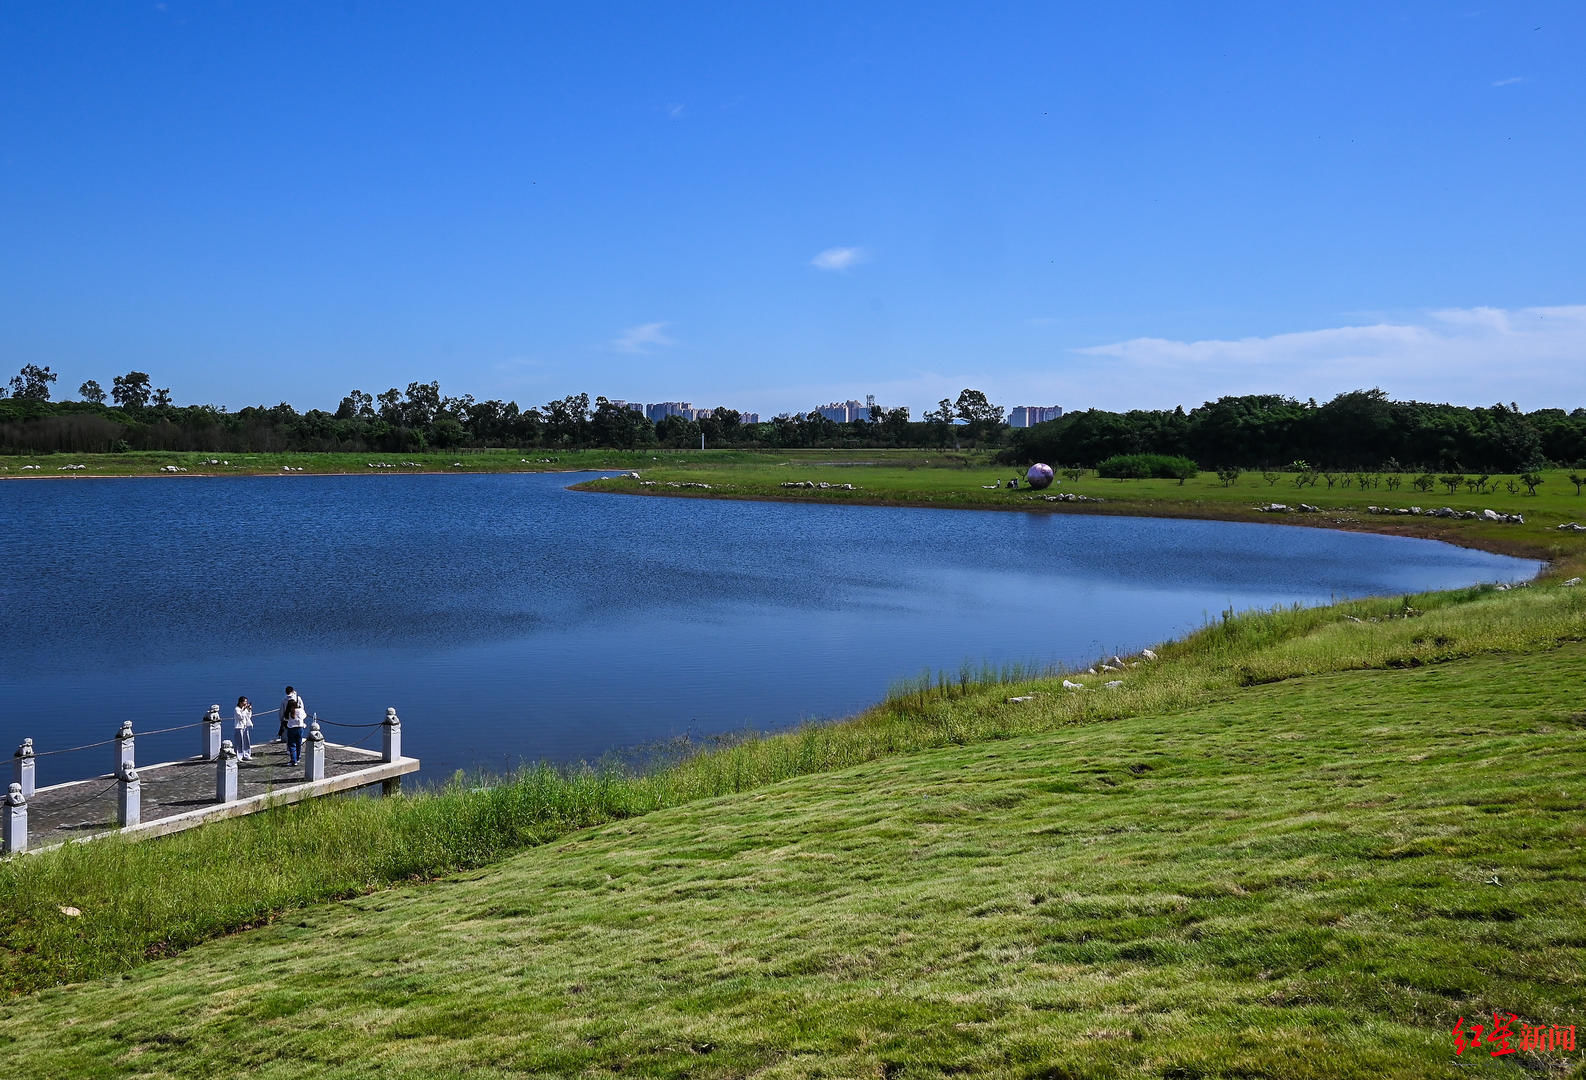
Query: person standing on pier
(244,729)
(295,718)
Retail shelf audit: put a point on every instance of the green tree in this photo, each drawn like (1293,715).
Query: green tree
(941,420)
(33,383)
(1530,480)
(981,418)
(91,392)
(132,390)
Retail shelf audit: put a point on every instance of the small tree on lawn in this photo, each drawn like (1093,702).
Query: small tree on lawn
(1451,481)
(1424,482)
(1271,477)
(1578,480)
(1228,474)
(1394,480)
(1530,480)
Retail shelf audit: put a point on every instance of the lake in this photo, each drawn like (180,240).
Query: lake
(509,619)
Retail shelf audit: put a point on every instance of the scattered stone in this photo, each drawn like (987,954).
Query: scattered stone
(1021,699)
(1572,581)
(1148,654)
(1069,496)
(1072,685)
(1570,526)
(69,911)
(1112,685)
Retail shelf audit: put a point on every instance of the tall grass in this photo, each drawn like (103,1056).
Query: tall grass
(141,900)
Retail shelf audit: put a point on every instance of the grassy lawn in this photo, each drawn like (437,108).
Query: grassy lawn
(1314,877)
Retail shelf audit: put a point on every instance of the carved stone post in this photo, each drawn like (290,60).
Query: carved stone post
(22,767)
(391,750)
(129,798)
(226,774)
(391,732)
(124,739)
(15,834)
(314,753)
(210,729)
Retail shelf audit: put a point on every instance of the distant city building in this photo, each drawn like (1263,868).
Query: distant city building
(662,409)
(846,412)
(1030,415)
(636,406)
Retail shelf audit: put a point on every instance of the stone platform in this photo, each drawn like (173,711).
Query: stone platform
(180,795)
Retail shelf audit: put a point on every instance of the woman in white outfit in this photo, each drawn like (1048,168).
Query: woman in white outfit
(295,717)
(244,729)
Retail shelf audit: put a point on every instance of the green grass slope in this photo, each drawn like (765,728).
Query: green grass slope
(1284,874)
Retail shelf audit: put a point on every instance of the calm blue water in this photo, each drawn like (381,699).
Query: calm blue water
(509,619)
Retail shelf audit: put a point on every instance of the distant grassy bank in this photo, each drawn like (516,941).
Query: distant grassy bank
(974,483)
(162,463)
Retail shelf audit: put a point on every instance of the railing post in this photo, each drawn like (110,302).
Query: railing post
(226,774)
(314,753)
(22,767)
(391,740)
(15,833)
(211,732)
(129,798)
(124,739)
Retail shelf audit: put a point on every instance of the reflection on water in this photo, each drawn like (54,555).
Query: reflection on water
(508,618)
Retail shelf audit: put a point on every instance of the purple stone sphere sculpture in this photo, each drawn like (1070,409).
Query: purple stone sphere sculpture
(1039,476)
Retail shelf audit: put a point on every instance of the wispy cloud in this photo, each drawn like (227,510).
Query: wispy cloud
(1464,355)
(675,111)
(1511,81)
(839,258)
(642,338)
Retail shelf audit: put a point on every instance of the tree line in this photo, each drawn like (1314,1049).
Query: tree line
(1363,429)
(137,415)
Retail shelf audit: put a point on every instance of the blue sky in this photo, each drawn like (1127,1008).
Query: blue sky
(1129,205)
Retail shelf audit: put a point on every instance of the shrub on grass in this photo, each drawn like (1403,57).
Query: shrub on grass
(1148,466)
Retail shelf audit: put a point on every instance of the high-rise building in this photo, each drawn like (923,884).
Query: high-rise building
(661,410)
(1030,415)
(846,412)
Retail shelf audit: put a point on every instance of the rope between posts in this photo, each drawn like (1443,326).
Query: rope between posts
(89,746)
(85,798)
(338,723)
(165,730)
(69,749)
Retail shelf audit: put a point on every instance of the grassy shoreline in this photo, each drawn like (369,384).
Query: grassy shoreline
(1333,927)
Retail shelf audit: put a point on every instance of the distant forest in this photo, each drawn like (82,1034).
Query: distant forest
(1363,429)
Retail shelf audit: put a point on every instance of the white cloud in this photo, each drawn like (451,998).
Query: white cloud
(1510,82)
(839,258)
(642,338)
(1468,356)
(674,111)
